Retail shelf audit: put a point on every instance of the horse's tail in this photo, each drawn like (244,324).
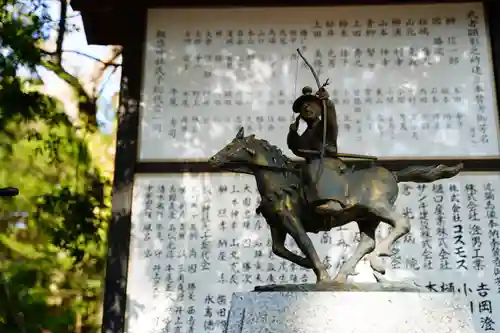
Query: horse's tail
(426,174)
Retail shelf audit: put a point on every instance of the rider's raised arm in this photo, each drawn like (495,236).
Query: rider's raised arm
(332,126)
(331,116)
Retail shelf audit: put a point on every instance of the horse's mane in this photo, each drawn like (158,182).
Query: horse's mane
(279,158)
(289,181)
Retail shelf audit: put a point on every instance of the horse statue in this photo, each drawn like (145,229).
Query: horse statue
(372,194)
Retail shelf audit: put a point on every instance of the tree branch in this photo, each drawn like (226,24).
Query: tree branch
(109,63)
(104,84)
(100,69)
(62,31)
(67,18)
(86,102)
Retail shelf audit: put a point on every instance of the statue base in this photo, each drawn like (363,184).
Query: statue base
(360,308)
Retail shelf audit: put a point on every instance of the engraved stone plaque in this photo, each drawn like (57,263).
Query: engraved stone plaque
(348,312)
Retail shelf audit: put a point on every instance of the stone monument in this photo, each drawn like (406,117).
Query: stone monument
(318,195)
(349,311)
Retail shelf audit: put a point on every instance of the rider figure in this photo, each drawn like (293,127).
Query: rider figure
(327,194)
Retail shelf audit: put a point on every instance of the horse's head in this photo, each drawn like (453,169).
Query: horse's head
(242,150)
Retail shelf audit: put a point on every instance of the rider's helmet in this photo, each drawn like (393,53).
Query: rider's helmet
(307,97)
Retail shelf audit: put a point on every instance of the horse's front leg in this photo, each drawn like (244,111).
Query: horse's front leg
(294,227)
(366,245)
(278,237)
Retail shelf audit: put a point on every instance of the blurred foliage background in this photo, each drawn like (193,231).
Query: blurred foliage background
(52,257)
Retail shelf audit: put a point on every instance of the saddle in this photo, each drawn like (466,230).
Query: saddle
(332,185)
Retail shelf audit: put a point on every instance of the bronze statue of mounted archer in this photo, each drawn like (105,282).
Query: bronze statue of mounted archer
(322,193)
(371,195)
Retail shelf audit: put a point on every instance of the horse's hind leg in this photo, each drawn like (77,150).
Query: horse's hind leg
(294,227)
(400,227)
(278,237)
(366,245)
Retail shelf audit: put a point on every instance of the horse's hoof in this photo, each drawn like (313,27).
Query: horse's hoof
(384,252)
(377,264)
(321,274)
(323,278)
(349,273)
(340,279)
(379,277)
(323,281)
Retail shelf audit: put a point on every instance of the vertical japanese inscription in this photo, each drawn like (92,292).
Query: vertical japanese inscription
(479,133)
(475,228)
(425,229)
(157,95)
(485,308)
(489,194)
(458,229)
(442,233)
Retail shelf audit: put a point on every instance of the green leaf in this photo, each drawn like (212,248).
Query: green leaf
(25,250)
